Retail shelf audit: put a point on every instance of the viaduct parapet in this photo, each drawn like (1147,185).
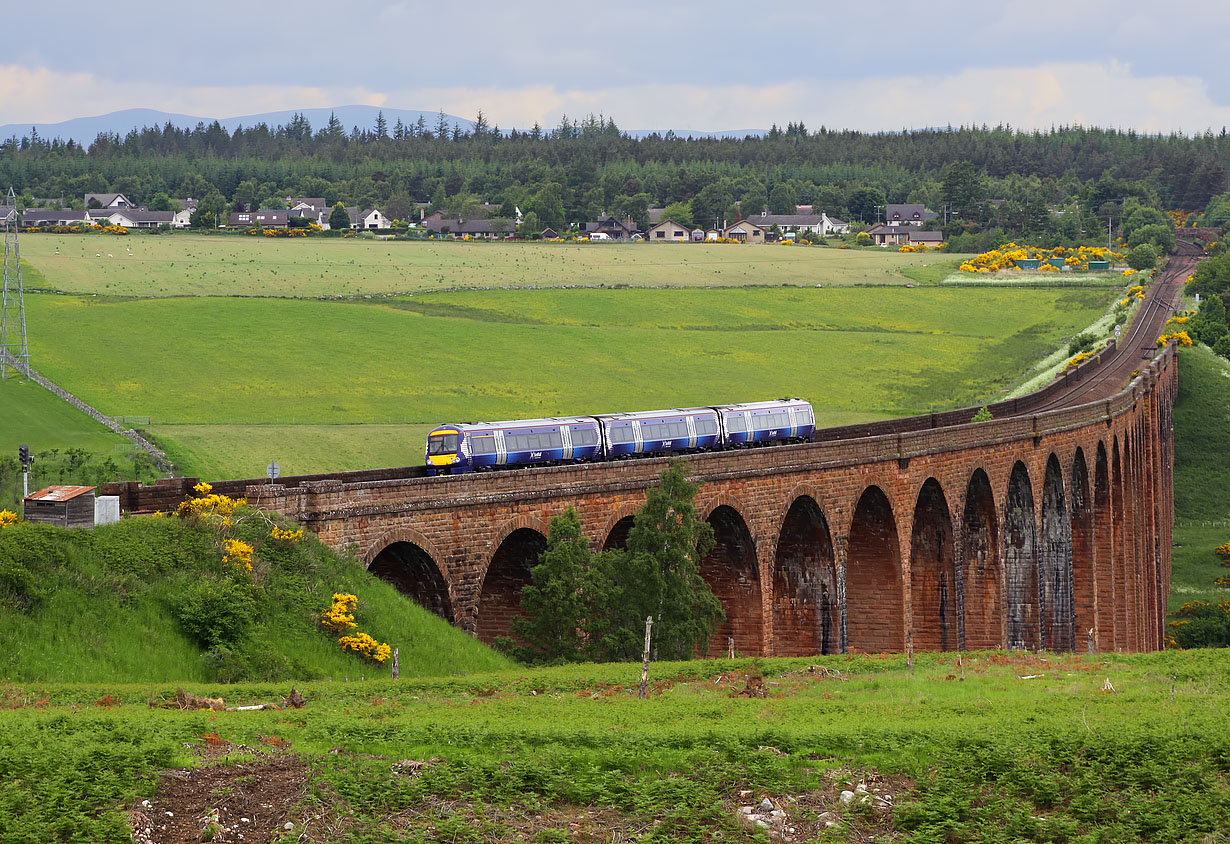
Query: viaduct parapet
(1045,530)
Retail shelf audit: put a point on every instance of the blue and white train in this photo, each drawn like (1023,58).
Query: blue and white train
(453,449)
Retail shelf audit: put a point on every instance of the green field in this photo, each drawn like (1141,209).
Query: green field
(998,748)
(855,353)
(197,265)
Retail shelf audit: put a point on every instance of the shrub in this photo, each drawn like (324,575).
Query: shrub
(1222,346)
(983,415)
(1080,343)
(215,612)
(1142,257)
(863,239)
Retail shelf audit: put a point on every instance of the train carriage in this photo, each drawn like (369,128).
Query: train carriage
(454,449)
(659,431)
(753,423)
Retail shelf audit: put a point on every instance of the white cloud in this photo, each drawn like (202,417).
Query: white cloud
(1095,93)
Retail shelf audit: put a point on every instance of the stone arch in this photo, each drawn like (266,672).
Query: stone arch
(517,548)
(1057,629)
(1020,562)
(805,610)
(933,579)
(874,613)
(1084,569)
(1104,549)
(1124,544)
(732,572)
(615,533)
(406,559)
(981,575)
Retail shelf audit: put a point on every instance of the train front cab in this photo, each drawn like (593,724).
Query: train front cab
(444,453)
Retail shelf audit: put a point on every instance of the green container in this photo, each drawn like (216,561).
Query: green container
(1028,263)
(1099,265)
(1055,262)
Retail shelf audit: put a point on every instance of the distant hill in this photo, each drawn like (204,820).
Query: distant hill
(83,130)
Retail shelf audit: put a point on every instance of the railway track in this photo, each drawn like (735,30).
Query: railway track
(1138,344)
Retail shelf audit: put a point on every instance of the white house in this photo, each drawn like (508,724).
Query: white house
(821,224)
(372,219)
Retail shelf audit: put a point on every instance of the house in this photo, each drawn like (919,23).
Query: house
(745,231)
(920,238)
(883,235)
(183,219)
(310,203)
(36,217)
(612,228)
(130,218)
(821,224)
(669,230)
(548,234)
(370,218)
(107,200)
(907,215)
(474,228)
(265,218)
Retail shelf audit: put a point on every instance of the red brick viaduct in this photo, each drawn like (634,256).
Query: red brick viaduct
(1047,530)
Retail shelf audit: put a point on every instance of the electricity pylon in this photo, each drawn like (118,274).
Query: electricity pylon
(14,351)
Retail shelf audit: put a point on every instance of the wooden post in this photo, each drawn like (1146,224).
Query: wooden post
(645,658)
(396,667)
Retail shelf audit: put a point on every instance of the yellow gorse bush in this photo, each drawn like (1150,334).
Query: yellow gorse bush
(1223,551)
(1006,256)
(1179,337)
(339,617)
(286,535)
(366,646)
(238,554)
(8,517)
(1078,360)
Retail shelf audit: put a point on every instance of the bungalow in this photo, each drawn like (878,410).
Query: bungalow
(821,224)
(130,218)
(265,218)
(36,217)
(882,235)
(107,200)
(745,231)
(669,230)
(370,218)
(474,228)
(548,233)
(612,228)
(907,215)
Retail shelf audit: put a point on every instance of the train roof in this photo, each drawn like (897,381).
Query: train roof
(653,414)
(520,423)
(763,405)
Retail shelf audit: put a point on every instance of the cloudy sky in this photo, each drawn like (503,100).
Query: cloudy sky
(675,64)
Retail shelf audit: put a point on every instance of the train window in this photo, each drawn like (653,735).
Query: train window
(734,423)
(442,443)
(679,430)
(621,433)
(584,436)
(804,417)
(482,445)
(552,439)
(706,426)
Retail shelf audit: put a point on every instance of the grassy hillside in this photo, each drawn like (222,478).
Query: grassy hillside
(417,361)
(120,602)
(69,447)
(998,748)
(1201,470)
(199,265)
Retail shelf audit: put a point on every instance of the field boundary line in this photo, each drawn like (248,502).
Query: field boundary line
(156,454)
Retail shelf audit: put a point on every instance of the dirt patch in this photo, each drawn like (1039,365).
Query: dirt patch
(851,806)
(222,801)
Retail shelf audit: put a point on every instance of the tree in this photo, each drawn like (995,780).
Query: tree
(710,205)
(1142,257)
(160,202)
(1160,236)
(582,605)
(548,204)
(553,605)
(382,126)
(862,204)
(1209,324)
(754,201)
(783,199)
(680,212)
(339,219)
(530,226)
(210,211)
